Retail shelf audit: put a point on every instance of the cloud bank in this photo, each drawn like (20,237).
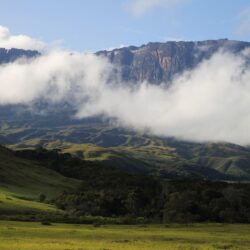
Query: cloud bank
(53,77)
(141,7)
(209,103)
(8,41)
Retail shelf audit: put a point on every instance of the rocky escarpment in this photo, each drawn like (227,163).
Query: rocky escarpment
(10,55)
(159,62)
(153,62)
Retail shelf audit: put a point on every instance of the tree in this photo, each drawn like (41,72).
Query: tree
(42,197)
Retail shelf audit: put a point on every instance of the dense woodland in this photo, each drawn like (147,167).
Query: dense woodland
(111,193)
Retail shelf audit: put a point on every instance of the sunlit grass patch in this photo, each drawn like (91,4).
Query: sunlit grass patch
(34,236)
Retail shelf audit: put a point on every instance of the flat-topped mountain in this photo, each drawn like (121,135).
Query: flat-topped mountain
(159,62)
(10,55)
(153,62)
(97,140)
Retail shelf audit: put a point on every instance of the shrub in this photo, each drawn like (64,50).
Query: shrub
(46,223)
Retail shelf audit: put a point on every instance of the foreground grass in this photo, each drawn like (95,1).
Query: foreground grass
(9,202)
(34,236)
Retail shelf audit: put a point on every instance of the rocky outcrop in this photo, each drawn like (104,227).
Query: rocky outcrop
(10,55)
(159,62)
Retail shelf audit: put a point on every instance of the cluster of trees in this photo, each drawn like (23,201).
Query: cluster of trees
(114,196)
(199,201)
(175,201)
(109,192)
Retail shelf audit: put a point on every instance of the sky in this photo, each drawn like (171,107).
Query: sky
(92,25)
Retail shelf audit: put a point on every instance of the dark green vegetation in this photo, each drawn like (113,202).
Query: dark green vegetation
(47,185)
(34,236)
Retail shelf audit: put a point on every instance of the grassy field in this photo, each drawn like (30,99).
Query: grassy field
(34,236)
(9,202)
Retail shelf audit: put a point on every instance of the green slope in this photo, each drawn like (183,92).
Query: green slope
(136,151)
(21,182)
(216,161)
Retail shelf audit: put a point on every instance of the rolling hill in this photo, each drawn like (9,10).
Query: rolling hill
(22,181)
(137,152)
(49,186)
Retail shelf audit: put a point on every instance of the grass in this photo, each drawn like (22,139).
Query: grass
(27,178)
(9,202)
(21,182)
(34,236)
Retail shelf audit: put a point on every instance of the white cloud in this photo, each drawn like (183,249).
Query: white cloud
(140,7)
(8,41)
(173,39)
(210,103)
(116,47)
(244,22)
(53,77)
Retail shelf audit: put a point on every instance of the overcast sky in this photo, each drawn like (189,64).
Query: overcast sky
(90,25)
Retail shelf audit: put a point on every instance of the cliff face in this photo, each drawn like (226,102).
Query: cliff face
(159,62)
(154,62)
(10,55)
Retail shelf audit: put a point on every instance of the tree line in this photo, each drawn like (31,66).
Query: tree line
(109,192)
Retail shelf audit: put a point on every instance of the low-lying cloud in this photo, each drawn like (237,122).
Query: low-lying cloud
(209,103)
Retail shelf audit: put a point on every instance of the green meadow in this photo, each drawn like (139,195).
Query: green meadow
(34,236)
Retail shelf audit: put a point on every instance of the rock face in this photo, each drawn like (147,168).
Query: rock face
(10,55)
(153,62)
(159,62)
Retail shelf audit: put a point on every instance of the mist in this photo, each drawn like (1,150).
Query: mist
(209,103)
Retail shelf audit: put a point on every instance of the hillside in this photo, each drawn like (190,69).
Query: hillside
(137,152)
(80,191)
(22,181)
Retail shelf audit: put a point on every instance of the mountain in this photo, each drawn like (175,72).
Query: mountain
(10,55)
(160,62)
(67,170)
(153,62)
(98,140)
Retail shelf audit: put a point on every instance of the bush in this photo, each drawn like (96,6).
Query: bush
(46,223)
(42,197)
